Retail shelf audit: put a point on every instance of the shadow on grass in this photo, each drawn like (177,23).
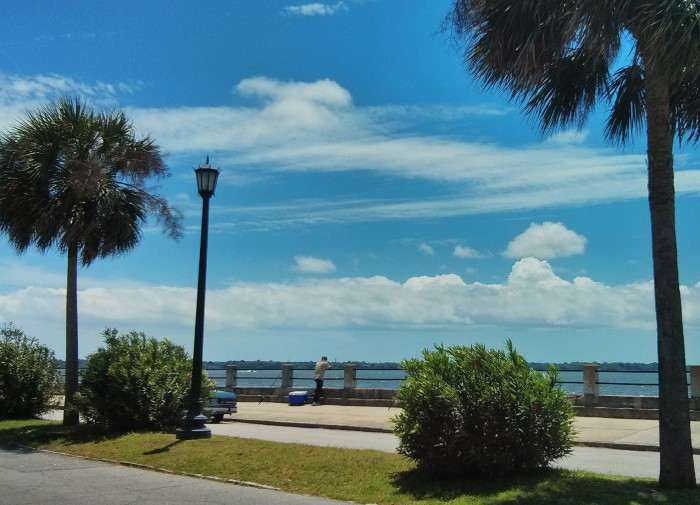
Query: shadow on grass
(562,487)
(161,450)
(33,433)
(28,433)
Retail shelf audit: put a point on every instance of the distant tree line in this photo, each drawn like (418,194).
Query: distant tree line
(309,365)
(603,367)
(305,365)
(271,365)
(299,365)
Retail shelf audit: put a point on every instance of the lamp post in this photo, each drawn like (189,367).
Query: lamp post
(193,424)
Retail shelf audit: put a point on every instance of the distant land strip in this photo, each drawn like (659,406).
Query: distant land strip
(309,365)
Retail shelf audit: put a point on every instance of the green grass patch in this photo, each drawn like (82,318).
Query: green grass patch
(361,476)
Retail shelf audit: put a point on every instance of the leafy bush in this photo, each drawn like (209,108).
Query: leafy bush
(137,383)
(469,411)
(29,381)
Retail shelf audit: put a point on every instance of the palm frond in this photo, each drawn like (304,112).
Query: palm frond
(507,44)
(627,114)
(569,90)
(669,29)
(69,175)
(554,56)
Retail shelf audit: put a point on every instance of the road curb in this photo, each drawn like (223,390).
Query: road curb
(299,424)
(372,429)
(626,447)
(141,466)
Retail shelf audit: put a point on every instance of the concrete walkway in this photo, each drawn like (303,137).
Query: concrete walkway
(630,434)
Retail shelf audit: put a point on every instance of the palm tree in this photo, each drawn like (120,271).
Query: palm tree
(559,59)
(76,180)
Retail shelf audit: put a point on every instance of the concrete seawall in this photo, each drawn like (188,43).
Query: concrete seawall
(366,397)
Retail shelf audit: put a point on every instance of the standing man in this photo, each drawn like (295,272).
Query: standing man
(319,372)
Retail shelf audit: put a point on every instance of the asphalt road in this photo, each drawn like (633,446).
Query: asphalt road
(30,477)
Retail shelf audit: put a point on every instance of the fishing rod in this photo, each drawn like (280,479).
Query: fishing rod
(263,397)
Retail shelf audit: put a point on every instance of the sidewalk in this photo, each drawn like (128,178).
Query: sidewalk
(630,434)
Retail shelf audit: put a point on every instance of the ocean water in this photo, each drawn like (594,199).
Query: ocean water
(610,383)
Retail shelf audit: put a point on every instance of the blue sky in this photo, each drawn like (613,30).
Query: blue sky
(374,200)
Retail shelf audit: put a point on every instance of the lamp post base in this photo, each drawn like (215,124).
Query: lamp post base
(193,427)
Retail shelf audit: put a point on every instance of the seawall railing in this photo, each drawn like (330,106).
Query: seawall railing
(341,388)
(589,389)
(589,383)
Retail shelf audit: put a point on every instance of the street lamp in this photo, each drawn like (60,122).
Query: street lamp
(193,424)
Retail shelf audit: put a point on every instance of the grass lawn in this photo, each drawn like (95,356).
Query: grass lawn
(361,476)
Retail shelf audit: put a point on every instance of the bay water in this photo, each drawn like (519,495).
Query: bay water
(610,383)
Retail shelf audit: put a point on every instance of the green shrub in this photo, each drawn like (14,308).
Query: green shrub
(29,381)
(137,383)
(469,411)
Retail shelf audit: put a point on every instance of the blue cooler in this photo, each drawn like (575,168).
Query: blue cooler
(298,397)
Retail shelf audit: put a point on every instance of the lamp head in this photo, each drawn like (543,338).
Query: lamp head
(206,179)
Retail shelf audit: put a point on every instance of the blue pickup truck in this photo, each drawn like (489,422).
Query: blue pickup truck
(220,404)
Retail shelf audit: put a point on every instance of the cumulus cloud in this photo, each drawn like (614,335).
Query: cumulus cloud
(316,9)
(324,92)
(466,253)
(533,296)
(311,265)
(546,241)
(294,110)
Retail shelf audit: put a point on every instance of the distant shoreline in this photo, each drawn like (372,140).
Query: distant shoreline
(277,365)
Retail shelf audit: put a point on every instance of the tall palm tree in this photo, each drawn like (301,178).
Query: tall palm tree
(559,59)
(76,180)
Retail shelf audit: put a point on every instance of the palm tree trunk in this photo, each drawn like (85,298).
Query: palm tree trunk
(70,415)
(676,469)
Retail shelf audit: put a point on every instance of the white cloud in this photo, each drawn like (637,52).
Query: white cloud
(533,296)
(547,241)
(466,253)
(426,249)
(20,93)
(316,9)
(310,265)
(315,127)
(568,137)
(531,272)
(324,92)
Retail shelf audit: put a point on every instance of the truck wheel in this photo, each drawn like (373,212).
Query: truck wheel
(217,418)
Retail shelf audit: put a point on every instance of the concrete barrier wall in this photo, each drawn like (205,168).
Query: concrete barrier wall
(333,396)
